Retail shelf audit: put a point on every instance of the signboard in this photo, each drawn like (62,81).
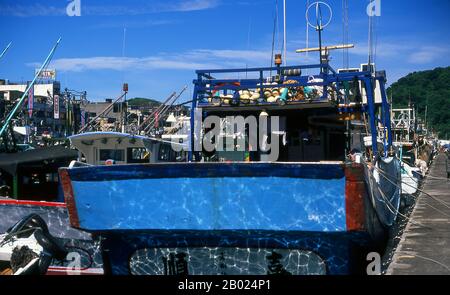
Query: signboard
(46,74)
(30,101)
(56,106)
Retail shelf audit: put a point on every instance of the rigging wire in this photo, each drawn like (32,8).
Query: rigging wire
(284,33)
(275,25)
(248,43)
(370,41)
(307,35)
(345,34)
(123,53)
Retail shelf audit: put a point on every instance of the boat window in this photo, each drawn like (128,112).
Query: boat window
(110,154)
(137,155)
(225,261)
(165,152)
(302,136)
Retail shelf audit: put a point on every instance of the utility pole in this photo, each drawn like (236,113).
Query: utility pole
(426,113)
(284,34)
(125,113)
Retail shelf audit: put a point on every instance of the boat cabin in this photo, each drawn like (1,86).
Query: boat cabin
(315,120)
(33,174)
(105,148)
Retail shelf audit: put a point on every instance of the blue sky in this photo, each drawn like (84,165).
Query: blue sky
(166,41)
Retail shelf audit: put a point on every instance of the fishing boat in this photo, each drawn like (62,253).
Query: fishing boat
(411,177)
(405,139)
(30,185)
(404,130)
(328,192)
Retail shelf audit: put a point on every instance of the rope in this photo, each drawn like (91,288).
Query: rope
(432,260)
(395,184)
(10,236)
(395,210)
(438,178)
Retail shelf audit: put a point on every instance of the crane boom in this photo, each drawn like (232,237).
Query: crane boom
(326,48)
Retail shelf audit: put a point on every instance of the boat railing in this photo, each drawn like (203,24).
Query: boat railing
(287,87)
(275,86)
(75,164)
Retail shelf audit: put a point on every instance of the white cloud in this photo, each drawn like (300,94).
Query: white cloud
(194,5)
(428,54)
(31,10)
(134,24)
(189,60)
(133,8)
(381,50)
(120,63)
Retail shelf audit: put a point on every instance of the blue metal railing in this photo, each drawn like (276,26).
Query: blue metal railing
(205,83)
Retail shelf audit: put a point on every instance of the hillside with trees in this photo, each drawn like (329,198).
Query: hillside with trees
(140,102)
(143,102)
(426,88)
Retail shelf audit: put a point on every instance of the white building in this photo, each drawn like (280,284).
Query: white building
(13,91)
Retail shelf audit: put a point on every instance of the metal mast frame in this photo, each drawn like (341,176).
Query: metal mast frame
(205,83)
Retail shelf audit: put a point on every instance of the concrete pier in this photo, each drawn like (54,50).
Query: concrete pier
(424,248)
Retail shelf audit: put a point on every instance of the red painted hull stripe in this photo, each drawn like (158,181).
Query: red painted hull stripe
(32,203)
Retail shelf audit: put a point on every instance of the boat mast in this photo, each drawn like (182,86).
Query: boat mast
(5,50)
(93,121)
(19,103)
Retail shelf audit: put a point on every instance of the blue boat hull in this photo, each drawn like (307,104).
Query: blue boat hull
(283,208)
(233,252)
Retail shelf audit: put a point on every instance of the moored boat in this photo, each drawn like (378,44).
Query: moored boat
(326,192)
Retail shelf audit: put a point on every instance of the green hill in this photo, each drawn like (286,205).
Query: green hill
(143,102)
(151,103)
(430,88)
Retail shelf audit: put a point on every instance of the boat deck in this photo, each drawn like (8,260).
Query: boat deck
(425,249)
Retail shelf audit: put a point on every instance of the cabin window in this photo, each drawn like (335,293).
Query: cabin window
(302,136)
(109,154)
(137,155)
(164,154)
